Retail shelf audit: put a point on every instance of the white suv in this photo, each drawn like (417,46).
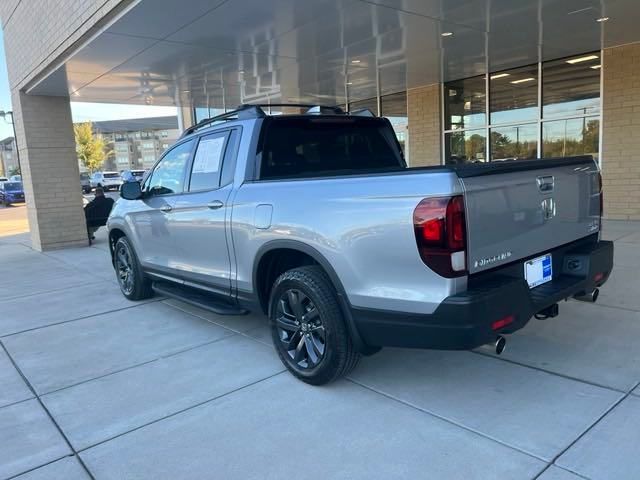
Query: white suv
(106,180)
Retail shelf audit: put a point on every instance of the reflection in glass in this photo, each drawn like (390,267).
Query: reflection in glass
(465,147)
(566,138)
(394,107)
(514,95)
(370,103)
(465,103)
(514,143)
(571,86)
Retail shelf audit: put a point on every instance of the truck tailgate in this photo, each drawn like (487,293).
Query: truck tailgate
(520,209)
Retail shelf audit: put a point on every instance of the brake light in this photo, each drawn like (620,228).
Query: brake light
(441,234)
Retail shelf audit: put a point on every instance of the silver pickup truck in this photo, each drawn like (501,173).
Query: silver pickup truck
(315,220)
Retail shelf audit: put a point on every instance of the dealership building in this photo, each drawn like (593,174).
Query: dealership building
(460,80)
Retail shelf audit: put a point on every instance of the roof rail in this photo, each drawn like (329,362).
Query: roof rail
(242,112)
(246,111)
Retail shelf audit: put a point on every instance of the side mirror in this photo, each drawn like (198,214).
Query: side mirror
(131,191)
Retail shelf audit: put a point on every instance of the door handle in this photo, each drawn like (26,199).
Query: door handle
(215,205)
(166,208)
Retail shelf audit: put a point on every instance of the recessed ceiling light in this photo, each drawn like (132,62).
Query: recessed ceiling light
(356,61)
(240,71)
(583,59)
(499,75)
(447,34)
(186,91)
(596,67)
(522,80)
(602,19)
(349,83)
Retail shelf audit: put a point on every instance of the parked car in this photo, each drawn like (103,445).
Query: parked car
(132,175)
(316,221)
(11,192)
(106,180)
(3,179)
(85,182)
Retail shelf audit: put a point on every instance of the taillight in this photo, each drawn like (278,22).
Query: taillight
(441,234)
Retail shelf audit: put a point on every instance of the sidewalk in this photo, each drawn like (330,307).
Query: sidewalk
(95,386)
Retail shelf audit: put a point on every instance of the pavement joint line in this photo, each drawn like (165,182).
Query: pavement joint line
(548,372)
(50,291)
(587,430)
(16,403)
(12,477)
(243,333)
(446,419)
(626,309)
(46,410)
(62,322)
(131,367)
(181,411)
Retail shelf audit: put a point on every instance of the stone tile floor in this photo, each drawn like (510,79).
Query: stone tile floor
(95,386)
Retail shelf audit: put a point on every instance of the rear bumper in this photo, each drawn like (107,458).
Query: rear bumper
(464,321)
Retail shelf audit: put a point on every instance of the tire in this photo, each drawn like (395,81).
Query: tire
(133,283)
(315,347)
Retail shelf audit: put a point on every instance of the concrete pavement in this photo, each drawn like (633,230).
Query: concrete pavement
(95,386)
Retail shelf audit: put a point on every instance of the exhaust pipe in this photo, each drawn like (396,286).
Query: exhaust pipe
(589,297)
(501,343)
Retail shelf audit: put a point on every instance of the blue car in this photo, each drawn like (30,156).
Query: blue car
(11,192)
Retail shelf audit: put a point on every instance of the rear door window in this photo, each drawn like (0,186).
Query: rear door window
(207,162)
(328,146)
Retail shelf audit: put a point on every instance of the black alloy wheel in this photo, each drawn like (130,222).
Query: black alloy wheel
(300,329)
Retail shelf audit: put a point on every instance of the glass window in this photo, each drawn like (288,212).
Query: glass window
(571,86)
(205,173)
(465,103)
(168,176)
(513,95)
(466,147)
(394,107)
(566,138)
(514,143)
(370,103)
(315,147)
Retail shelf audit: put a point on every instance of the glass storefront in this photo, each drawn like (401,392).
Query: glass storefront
(538,111)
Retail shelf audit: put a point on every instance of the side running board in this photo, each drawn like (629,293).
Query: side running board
(198,298)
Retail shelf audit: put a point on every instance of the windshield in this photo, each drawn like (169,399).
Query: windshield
(13,186)
(84,176)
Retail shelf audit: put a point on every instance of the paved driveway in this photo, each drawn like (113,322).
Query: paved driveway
(95,386)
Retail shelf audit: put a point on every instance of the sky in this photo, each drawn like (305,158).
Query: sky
(80,111)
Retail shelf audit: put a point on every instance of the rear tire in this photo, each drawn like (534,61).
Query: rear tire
(133,283)
(308,327)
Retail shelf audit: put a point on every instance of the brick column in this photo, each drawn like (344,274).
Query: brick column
(423,107)
(50,171)
(620,126)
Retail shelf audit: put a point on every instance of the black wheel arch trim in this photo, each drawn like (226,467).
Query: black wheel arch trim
(345,305)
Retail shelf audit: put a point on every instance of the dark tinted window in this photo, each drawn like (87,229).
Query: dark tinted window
(111,175)
(327,146)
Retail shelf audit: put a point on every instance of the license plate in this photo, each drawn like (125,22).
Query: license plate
(538,270)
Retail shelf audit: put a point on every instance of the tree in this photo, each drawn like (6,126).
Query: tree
(15,170)
(91,148)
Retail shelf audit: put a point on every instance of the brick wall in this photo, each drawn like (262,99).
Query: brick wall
(621,132)
(423,107)
(58,23)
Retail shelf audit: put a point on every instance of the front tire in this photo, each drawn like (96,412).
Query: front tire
(132,281)
(308,327)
